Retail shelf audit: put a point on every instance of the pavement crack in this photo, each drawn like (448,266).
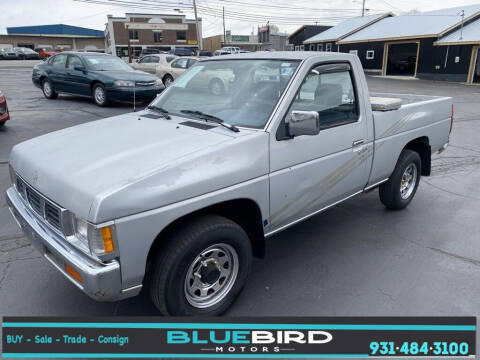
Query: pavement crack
(11,237)
(459,257)
(4,273)
(384,293)
(450,192)
(20,259)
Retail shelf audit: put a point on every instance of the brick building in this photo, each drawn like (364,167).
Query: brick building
(143,31)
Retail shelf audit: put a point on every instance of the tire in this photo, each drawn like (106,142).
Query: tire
(48,90)
(400,189)
(2,124)
(167,80)
(216,87)
(100,95)
(179,276)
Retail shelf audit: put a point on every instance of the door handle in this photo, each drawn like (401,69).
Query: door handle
(357,143)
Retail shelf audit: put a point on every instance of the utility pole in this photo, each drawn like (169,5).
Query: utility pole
(199,37)
(224,32)
(363,8)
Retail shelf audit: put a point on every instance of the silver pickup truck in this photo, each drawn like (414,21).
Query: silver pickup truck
(180,196)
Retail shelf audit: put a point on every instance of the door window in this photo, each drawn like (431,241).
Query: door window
(181,63)
(191,62)
(144,60)
(59,61)
(328,90)
(73,61)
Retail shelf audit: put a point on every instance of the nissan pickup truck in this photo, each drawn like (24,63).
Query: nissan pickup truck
(179,197)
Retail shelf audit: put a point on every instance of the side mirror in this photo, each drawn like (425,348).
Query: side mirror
(303,123)
(79,68)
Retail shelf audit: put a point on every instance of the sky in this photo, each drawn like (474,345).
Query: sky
(242,16)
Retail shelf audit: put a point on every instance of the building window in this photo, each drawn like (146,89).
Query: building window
(312,47)
(354,52)
(297,48)
(370,54)
(302,47)
(328,47)
(133,34)
(181,36)
(319,47)
(158,37)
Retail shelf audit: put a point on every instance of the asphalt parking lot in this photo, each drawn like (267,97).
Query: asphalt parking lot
(355,259)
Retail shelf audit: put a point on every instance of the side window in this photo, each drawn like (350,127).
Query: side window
(370,54)
(59,61)
(328,47)
(170,58)
(73,61)
(155,59)
(191,62)
(144,60)
(319,47)
(328,90)
(180,63)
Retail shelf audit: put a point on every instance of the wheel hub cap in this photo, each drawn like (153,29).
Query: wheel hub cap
(211,275)
(408,182)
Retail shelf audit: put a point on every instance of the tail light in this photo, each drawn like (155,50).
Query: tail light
(451,118)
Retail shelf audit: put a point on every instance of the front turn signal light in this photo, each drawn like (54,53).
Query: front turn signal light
(107,239)
(73,273)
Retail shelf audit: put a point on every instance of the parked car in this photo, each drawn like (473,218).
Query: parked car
(231,49)
(179,197)
(24,53)
(45,53)
(149,63)
(182,52)
(204,53)
(150,51)
(220,52)
(104,77)
(8,54)
(4,114)
(169,72)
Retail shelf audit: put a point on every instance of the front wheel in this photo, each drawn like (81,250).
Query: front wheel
(400,189)
(202,268)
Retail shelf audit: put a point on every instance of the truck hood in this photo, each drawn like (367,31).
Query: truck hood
(129,162)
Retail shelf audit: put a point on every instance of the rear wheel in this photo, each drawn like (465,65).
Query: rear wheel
(2,123)
(400,189)
(167,80)
(100,95)
(202,268)
(48,90)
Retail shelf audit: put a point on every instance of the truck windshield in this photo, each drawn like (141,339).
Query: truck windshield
(241,92)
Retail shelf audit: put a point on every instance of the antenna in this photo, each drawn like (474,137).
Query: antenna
(134,99)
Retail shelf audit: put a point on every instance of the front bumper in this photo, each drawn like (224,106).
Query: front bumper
(100,281)
(127,93)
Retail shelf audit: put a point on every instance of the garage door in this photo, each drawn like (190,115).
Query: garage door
(402,59)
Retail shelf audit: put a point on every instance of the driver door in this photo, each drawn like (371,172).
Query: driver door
(311,172)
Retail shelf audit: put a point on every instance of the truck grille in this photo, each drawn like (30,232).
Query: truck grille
(50,212)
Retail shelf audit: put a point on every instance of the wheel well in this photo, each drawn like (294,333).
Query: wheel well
(94,83)
(421,145)
(244,212)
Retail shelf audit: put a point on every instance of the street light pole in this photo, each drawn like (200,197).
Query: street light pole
(199,37)
(363,8)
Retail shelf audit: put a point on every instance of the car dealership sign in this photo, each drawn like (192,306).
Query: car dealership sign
(148,26)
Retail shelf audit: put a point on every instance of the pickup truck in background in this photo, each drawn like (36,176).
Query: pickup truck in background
(188,190)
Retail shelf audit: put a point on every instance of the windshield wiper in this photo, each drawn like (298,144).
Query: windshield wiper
(159,110)
(212,118)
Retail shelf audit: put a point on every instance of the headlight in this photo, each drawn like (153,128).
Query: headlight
(123,83)
(159,82)
(96,241)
